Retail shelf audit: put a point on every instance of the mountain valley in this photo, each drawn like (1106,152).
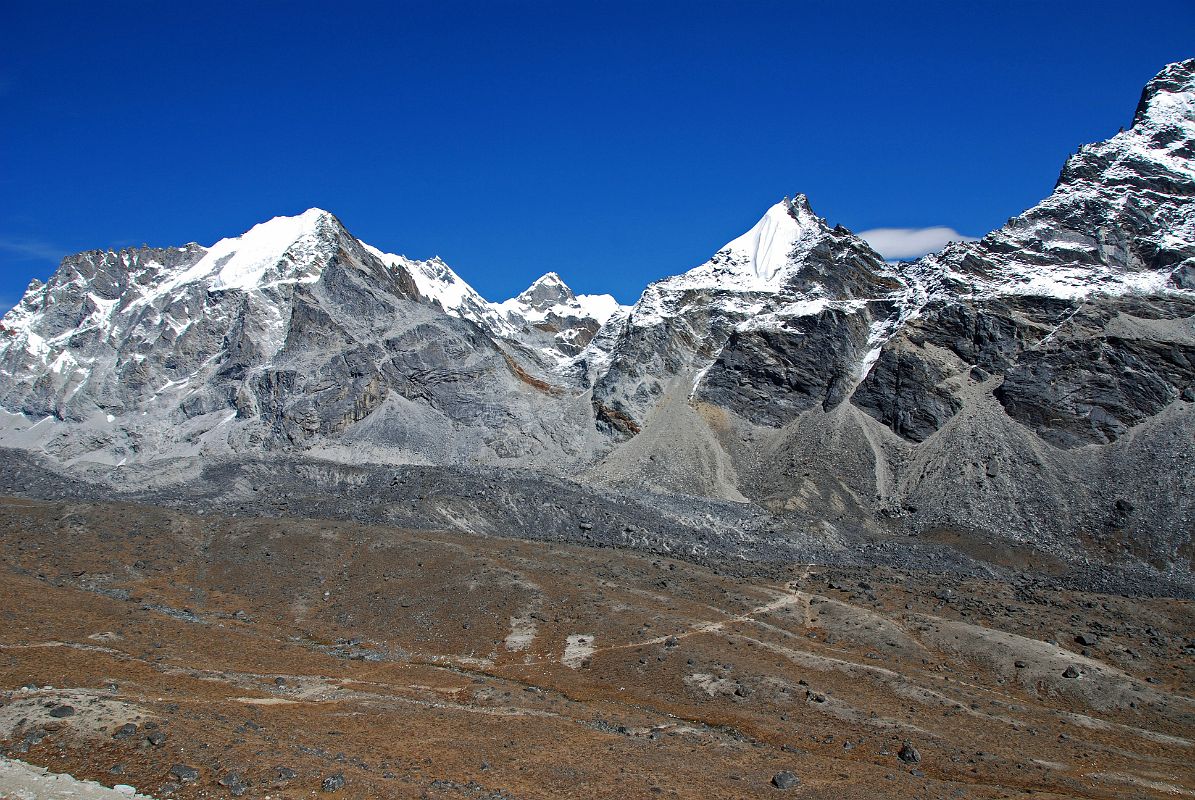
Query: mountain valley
(290,515)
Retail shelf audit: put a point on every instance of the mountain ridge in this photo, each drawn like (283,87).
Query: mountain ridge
(1051,362)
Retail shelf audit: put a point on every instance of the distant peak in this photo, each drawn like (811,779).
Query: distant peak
(547,290)
(548,278)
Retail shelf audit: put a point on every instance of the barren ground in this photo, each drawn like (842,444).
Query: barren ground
(442,665)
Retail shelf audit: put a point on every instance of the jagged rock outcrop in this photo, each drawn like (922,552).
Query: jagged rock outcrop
(1039,294)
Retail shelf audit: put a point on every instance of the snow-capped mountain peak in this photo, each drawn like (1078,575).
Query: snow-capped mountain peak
(549,299)
(764,258)
(278,250)
(547,290)
(762,253)
(763,262)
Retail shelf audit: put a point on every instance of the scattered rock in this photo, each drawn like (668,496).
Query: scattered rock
(157,738)
(234,783)
(184,773)
(1071,672)
(59,712)
(126,731)
(785,780)
(908,753)
(332,783)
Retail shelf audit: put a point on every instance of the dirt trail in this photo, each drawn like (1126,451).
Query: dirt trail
(456,667)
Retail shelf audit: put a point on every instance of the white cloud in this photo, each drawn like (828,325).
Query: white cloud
(895,243)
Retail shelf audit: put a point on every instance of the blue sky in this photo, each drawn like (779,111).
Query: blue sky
(613,142)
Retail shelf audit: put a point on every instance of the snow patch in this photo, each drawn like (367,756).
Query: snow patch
(21,781)
(577,648)
(522,634)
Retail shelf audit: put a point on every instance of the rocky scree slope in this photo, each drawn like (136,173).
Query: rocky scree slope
(1037,383)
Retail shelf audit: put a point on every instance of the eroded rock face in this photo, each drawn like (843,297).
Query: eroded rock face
(1063,370)
(1092,391)
(905,390)
(771,376)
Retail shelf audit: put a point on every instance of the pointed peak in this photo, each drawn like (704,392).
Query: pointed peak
(789,214)
(1163,99)
(769,246)
(799,204)
(548,279)
(547,290)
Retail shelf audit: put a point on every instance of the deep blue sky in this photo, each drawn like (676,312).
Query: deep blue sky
(613,142)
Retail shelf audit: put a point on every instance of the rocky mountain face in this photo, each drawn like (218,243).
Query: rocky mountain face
(293,336)
(1037,384)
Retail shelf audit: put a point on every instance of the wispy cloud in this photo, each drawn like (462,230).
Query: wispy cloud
(911,242)
(31,249)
